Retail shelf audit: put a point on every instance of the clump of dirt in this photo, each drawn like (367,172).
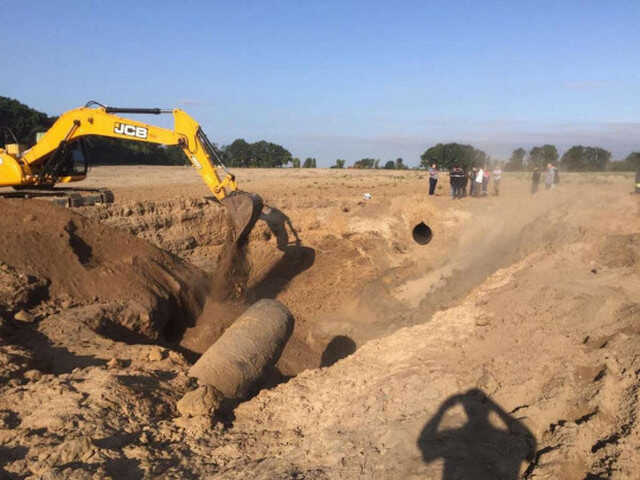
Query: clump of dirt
(19,290)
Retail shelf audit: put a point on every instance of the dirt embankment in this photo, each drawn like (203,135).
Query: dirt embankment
(71,260)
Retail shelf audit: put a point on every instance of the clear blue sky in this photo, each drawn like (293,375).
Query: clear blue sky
(340,79)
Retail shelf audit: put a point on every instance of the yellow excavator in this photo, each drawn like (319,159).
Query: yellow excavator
(59,155)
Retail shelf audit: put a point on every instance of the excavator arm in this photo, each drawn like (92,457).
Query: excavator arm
(104,122)
(46,163)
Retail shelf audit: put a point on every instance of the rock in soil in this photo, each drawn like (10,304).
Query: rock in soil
(204,400)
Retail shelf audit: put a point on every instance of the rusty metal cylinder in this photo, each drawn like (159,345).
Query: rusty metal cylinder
(252,343)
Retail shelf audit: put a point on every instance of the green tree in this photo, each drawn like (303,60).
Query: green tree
(579,158)
(516,162)
(541,156)
(238,154)
(448,155)
(399,164)
(390,165)
(365,163)
(598,158)
(23,121)
(620,166)
(296,162)
(339,163)
(309,163)
(633,161)
(113,151)
(259,154)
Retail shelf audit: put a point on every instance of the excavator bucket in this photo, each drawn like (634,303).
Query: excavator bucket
(244,209)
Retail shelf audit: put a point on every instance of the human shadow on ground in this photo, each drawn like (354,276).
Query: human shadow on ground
(296,259)
(479,449)
(338,348)
(9,455)
(278,221)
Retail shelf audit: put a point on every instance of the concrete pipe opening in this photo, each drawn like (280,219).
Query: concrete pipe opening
(422,233)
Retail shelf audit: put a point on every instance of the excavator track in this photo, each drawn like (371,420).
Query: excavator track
(64,197)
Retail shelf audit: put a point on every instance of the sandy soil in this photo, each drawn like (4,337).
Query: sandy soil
(505,348)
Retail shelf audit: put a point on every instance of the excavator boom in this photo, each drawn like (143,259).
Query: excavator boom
(50,160)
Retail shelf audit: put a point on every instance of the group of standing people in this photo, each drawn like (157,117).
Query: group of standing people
(476,179)
(551,178)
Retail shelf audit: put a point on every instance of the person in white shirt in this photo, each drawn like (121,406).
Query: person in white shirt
(497,176)
(433,179)
(477,188)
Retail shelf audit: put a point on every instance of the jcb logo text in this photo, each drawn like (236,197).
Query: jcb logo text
(130,130)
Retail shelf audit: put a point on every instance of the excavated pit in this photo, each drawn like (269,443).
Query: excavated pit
(349,282)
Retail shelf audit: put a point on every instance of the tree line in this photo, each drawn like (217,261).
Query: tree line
(20,123)
(577,159)
(25,122)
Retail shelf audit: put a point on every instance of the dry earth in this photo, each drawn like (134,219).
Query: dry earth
(506,348)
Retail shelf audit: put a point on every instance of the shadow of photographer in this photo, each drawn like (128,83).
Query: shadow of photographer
(479,449)
(278,222)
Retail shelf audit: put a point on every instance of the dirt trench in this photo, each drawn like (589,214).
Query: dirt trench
(534,303)
(349,272)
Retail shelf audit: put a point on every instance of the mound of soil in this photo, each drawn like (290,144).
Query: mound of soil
(56,253)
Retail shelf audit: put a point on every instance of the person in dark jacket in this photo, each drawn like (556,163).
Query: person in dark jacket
(457,182)
(535,180)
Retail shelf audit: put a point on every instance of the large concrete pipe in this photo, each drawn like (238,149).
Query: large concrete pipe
(254,341)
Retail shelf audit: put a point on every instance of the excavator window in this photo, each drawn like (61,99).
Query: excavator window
(68,160)
(78,160)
